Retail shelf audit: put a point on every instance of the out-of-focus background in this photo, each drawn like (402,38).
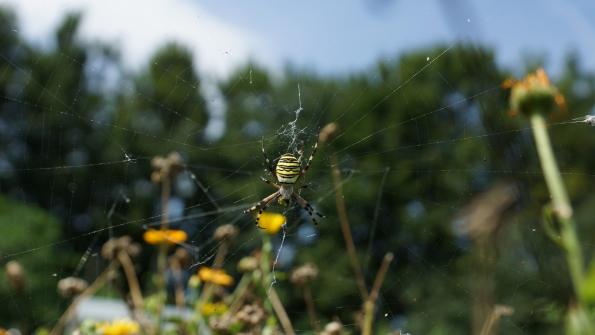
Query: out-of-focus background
(434,168)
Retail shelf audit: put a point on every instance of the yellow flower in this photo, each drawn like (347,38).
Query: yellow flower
(217,308)
(271,222)
(119,327)
(215,276)
(169,236)
(194,281)
(533,93)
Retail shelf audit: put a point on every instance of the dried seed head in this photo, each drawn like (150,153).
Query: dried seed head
(167,167)
(250,315)
(304,274)
(221,324)
(71,286)
(225,232)
(113,246)
(182,256)
(332,328)
(328,132)
(247,264)
(155,177)
(15,275)
(175,163)
(157,163)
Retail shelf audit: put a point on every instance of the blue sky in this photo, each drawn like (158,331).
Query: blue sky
(349,35)
(331,37)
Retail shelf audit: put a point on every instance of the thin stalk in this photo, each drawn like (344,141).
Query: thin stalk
(560,203)
(162,256)
(179,294)
(89,291)
(207,291)
(370,302)
(135,291)
(345,229)
(240,293)
(273,305)
(280,311)
(311,310)
(265,260)
(491,322)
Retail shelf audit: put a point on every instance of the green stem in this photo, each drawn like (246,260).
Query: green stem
(162,256)
(560,203)
(265,267)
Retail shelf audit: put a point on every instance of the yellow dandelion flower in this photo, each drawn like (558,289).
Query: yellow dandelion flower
(215,276)
(534,92)
(271,222)
(167,236)
(194,281)
(217,308)
(119,327)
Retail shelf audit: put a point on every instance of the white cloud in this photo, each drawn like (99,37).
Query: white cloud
(139,27)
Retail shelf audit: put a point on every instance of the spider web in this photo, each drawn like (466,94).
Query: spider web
(212,202)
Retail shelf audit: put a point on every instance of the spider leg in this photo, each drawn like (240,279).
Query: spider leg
(269,166)
(305,205)
(270,182)
(276,195)
(263,204)
(305,169)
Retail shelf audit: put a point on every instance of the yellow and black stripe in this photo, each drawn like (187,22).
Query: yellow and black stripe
(288,169)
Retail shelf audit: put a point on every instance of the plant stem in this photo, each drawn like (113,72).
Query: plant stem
(311,310)
(135,291)
(560,203)
(162,256)
(89,291)
(280,311)
(371,300)
(345,229)
(274,303)
(496,314)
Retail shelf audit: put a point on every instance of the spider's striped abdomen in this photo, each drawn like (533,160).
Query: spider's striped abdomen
(287,169)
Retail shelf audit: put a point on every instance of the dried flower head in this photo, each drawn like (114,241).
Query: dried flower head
(113,246)
(165,236)
(221,324)
(304,274)
(119,327)
(181,256)
(328,132)
(168,166)
(225,232)
(533,94)
(332,328)
(271,222)
(71,286)
(247,264)
(214,276)
(15,275)
(250,315)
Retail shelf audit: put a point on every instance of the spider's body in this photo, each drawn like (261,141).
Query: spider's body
(286,173)
(288,169)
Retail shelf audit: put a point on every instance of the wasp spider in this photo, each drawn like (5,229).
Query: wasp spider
(286,173)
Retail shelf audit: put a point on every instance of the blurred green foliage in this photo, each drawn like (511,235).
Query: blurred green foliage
(37,302)
(79,130)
